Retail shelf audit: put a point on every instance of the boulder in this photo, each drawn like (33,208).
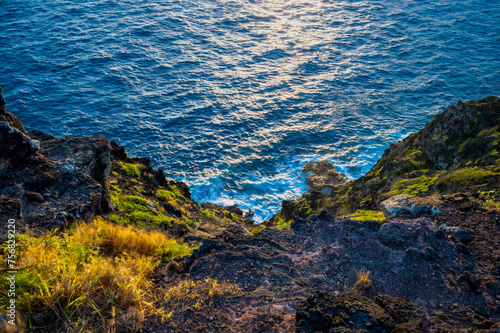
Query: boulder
(15,142)
(40,136)
(409,205)
(48,185)
(351,312)
(408,316)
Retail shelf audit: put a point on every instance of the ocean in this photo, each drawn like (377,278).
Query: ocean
(235,97)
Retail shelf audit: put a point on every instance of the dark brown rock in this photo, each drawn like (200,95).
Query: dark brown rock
(464,207)
(90,155)
(408,316)
(235,210)
(442,137)
(15,144)
(34,196)
(351,312)
(40,136)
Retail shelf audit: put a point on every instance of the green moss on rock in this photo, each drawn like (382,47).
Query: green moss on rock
(131,169)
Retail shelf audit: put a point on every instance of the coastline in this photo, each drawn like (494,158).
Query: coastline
(272,273)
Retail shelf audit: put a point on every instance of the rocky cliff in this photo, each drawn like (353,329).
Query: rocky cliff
(330,262)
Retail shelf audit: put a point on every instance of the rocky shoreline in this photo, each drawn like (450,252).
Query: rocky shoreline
(412,246)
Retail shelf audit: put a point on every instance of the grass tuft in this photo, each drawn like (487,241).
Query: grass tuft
(164,195)
(194,295)
(131,169)
(363,281)
(283,224)
(129,202)
(366,215)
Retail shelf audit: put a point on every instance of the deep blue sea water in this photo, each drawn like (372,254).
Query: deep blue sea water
(234,97)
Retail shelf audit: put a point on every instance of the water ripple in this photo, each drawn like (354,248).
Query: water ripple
(234,96)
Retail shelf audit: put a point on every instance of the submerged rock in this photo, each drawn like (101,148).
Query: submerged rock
(321,176)
(406,204)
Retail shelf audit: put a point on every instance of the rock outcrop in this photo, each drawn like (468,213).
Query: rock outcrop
(88,155)
(418,265)
(46,185)
(406,204)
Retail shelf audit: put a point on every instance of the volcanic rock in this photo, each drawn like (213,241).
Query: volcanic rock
(90,155)
(351,312)
(406,204)
(321,176)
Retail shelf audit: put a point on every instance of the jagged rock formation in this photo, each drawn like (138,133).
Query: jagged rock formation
(48,184)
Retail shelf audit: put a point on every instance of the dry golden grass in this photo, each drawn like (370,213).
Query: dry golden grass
(363,281)
(189,294)
(96,276)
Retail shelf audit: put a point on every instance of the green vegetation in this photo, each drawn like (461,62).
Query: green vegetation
(492,204)
(169,194)
(118,219)
(466,176)
(129,202)
(164,195)
(147,218)
(176,191)
(413,186)
(366,215)
(131,169)
(208,214)
(258,228)
(410,165)
(140,215)
(95,273)
(305,210)
(187,220)
(283,224)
